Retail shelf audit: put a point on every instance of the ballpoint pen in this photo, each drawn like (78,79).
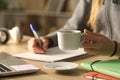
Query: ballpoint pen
(35,34)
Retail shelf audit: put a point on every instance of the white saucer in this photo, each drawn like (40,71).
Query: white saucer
(59,66)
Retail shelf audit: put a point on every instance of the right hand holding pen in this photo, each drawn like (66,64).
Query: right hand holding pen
(32,45)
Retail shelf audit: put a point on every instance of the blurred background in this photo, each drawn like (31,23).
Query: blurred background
(46,15)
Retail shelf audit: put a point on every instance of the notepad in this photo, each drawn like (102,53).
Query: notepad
(99,76)
(53,54)
(109,67)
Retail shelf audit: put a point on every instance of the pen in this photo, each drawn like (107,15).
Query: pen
(35,34)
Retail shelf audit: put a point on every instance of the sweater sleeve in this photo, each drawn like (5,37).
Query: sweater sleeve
(76,21)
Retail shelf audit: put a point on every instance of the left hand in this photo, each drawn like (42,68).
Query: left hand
(97,44)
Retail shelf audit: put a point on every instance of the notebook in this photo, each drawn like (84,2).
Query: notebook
(10,65)
(53,54)
(109,67)
(98,76)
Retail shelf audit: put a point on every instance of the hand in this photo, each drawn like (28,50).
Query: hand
(97,44)
(32,45)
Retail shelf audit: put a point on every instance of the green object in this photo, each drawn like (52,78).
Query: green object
(109,67)
(3,5)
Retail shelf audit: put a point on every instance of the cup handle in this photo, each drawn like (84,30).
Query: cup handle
(82,37)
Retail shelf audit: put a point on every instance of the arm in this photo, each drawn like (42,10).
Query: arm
(77,21)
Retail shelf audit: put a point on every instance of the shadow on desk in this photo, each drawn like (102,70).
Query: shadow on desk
(24,75)
(74,72)
(78,58)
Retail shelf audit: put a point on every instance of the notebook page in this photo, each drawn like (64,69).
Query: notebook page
(53,54)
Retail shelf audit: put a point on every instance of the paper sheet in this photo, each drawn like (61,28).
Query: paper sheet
(53,54)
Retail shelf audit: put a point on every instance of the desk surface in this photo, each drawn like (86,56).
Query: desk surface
(46,74)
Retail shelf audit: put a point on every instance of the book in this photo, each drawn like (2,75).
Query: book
(109,67)
(98,76)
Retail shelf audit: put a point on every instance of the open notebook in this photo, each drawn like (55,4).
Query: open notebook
(10,65)
(53,54)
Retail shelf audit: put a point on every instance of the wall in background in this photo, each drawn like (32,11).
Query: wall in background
(46,15)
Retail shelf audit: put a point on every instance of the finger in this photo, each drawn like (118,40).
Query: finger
(35,50)
(30,44)
(90,51)
(30,41)
(38,50)
(37,42)
(90,37)
(33,46)
(45,43)
(90,45)
(89,32)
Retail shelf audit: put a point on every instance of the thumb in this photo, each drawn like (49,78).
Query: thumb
(86,31)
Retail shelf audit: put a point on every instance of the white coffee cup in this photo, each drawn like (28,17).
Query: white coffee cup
(69,39)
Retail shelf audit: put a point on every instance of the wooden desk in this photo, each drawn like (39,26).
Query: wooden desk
(46,74)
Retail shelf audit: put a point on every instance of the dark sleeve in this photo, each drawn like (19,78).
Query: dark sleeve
(77,21)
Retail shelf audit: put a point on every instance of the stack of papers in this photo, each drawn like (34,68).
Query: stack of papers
(53,54)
